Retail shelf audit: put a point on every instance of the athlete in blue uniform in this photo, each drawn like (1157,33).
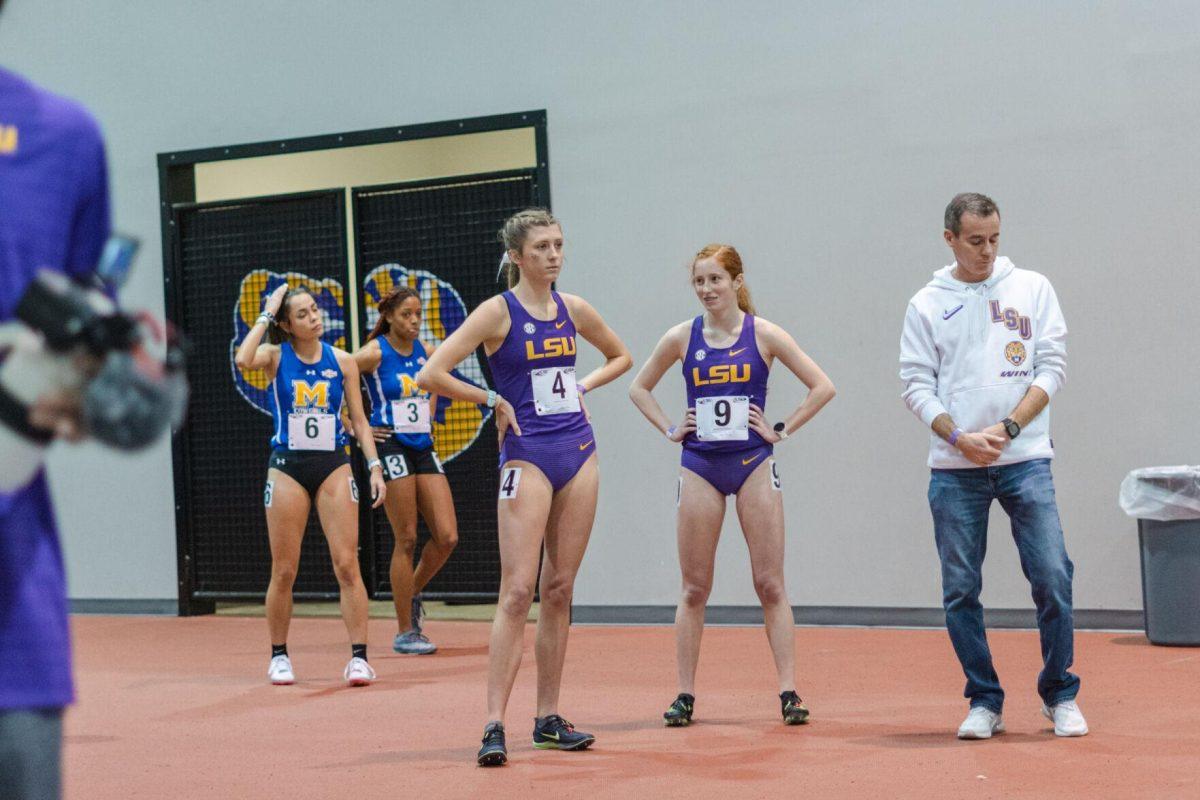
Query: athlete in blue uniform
(309,462)
(548,474)
(401,419)
(728,450)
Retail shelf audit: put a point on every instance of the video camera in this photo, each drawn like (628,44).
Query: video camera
(124,372)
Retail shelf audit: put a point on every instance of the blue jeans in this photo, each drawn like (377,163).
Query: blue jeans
(960,500)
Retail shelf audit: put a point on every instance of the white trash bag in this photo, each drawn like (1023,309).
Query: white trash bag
(1162,493)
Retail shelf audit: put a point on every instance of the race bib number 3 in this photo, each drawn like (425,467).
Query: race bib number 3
(723,419)
(554,391)
(411,415)
(311,431)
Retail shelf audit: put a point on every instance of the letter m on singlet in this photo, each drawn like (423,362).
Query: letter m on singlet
(310,396)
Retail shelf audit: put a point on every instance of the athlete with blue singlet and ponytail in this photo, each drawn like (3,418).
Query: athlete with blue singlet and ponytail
(311,380)
(727,450)
(402,421)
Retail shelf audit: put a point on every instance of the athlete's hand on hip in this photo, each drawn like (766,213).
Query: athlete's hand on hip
(506,417)
(583,407)
(275,301)
(760,426)
(381,434)
(687,426)
(981,448)
(378,487)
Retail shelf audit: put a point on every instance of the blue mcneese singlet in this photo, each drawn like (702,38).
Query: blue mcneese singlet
(558,444)
(300,387)
(395,379)
(721,372)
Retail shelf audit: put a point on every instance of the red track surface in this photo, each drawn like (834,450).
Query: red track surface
(180,709)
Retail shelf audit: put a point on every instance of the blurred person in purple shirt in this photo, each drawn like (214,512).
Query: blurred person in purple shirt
(54,214)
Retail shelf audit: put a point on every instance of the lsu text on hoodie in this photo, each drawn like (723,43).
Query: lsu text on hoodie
(973,350)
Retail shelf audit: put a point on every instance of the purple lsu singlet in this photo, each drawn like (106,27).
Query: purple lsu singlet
(721,383)
(534,369)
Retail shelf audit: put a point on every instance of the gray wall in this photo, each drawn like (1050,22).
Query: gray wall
(823,139)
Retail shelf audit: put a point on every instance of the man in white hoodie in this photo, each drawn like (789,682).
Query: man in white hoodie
(982,352)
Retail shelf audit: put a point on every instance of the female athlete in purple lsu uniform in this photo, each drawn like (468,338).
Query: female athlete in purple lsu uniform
(716,373)
(557,443)
(727,449)
(549,478)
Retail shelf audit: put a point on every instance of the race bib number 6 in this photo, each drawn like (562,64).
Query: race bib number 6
(311,431)
(411,415)
(723,419)
(554,391)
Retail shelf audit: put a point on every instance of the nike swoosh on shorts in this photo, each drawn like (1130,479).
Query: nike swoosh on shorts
(746,461)
(586,446)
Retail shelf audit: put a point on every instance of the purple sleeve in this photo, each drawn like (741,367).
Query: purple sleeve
(91,226)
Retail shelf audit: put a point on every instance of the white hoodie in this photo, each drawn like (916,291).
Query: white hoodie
(973,349)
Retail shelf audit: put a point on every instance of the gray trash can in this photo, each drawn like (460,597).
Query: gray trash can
(1171,580)
(1166,502)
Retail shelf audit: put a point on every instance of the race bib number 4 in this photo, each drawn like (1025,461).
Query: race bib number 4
(554,391)
(723,419)
(311,431)
(510,480)
(411,415)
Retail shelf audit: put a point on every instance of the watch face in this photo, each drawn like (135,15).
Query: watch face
(779,426)
(1012,428)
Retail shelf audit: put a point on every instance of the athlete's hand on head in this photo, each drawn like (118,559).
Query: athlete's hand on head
(378,487)
(760,426)
(381,434)
(506,417)
(684,428)
(981,448)
(275,301)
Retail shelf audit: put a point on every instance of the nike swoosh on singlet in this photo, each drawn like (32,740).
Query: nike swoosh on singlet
(746,461)
(559,325)
(735,352)
(586,446)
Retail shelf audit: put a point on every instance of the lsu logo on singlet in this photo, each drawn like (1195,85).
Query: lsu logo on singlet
(308,395)
(252,384)
(721,373)
(551,348)
(456,424)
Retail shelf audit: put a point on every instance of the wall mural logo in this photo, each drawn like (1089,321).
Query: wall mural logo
(456,424)
(252,384)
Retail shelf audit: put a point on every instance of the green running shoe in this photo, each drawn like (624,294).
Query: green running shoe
(679,715)
(794,712)
(555,733)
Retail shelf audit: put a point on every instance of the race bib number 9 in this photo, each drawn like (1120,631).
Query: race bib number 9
(723,419)
(311,431)
(554,391)
(411,415)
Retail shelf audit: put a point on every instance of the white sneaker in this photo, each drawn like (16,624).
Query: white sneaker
(280,671)
(1068,719)
(980,723)
(358,672)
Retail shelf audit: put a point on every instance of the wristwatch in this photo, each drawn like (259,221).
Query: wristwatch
(781,430)
(373,463)
(491,398)
(1011,427)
